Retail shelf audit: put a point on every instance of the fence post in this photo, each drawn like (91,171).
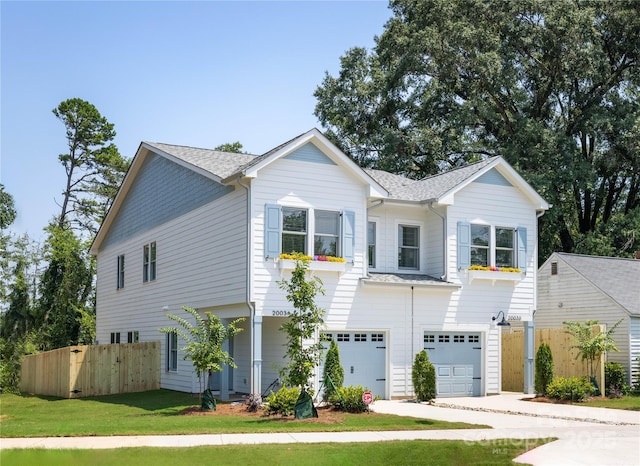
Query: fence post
(529,355)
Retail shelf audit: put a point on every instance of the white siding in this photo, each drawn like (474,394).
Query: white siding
(634,353)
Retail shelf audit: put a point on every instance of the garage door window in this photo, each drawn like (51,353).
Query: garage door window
(343,337)
(377,337)
(474,339)
(360,337)
(458,338)
(443,338)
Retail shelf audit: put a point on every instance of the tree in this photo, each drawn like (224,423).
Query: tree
(591,345)
(7,216)
(94,167)
(544,369)
(234,147)
(333,372)
(551,86)
(303,348)
(204,340)
(423,376)
(7,208)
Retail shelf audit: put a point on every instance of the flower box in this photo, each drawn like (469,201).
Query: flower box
(288,264)
(494,276)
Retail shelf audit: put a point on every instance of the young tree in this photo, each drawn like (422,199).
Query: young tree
(552,86)
(94,167)
(303,348)
(333,372)
(544,369)
(589,345)
(7,216)
(204,340)
(423,376)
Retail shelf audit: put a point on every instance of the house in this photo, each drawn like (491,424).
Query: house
(205,229)
(578,288)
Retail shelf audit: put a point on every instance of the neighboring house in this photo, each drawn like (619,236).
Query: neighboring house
(205,229)
(578,288)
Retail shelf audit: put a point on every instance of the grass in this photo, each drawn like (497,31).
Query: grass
(158,413)
(498,452)
(629,402)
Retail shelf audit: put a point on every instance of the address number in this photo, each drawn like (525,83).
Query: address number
(514,318)
(280,313)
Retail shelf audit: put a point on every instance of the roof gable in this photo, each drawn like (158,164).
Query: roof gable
(310,153)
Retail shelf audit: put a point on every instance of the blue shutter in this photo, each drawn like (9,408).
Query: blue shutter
(464,245)
(272,231)
(522,248)
(348,239)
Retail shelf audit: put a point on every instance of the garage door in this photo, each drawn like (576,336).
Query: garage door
(363,357)
(456,358)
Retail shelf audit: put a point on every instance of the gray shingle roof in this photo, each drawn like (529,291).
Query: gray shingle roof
(406,279)
(617,277)
(221,164)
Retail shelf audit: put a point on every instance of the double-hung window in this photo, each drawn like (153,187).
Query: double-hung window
(133,337)
(149,262)
(172,352)
(504,251)
(408,247)
(371,244)
(120,273)
(480,236)
(327,233)
(115,338)
(294,230)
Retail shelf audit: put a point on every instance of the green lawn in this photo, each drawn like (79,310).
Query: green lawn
(435,452)
(157,412)
(631,403)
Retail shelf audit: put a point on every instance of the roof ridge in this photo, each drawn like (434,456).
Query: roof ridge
(198,148)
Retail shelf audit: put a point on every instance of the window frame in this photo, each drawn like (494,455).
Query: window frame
(402,246)
(497,248)
(285,233)
(120,272)
(336,236)
(371,245)
(115,338)
(478,246)
(149,261)
(133,336)
(172,352)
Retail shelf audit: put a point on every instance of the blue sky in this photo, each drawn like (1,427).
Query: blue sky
(193,73)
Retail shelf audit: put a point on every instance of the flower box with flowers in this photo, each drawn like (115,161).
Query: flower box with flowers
(480,272)
(316,263)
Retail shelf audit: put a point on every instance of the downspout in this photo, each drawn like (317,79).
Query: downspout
(444,240)
(255,385)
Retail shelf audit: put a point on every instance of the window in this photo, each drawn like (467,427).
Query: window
(172,352)
(120,277)
(554,268)
(371,242)
(429,338)
(149,262)
(504,247)
(133,337)
(443,338)
(115,337)
(377,337)
(360,337)
(294,230)
(408,247)
(343,337)
(326,337)
(474,339)
(325,240)
(458,338)
(480,245)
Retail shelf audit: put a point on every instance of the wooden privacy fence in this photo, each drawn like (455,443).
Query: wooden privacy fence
(565,363)
(79,371)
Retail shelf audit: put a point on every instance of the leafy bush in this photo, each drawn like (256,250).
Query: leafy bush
(349,399)
(283,401)
(615,380)
(573,388)
(423,375)
(544,369)
(332,370)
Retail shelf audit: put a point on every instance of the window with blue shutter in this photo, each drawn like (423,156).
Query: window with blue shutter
(464,245)
(521,233)
(348,235)
(272,231)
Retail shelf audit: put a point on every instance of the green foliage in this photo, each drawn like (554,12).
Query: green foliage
(94,168)
(572,388)
(591,346)
(423,375)
(552,86)
(204,340)
(615,379)
(332,370)
(234,147)
(13,351)
(7,208)
(544,369)
(283,401)
(349,399)
(303,351)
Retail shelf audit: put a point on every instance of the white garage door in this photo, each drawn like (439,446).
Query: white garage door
(456,357)
(363,357)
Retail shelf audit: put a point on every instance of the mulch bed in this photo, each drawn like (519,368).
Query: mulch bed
(326,415)
(544,399)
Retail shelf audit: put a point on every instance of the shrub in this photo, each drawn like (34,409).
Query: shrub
(615,379)
(349,399)
(573,388)
(332,370)
(283,401)
(423,375)
(544,369)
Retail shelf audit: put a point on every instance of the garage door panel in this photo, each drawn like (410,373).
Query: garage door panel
(457,359)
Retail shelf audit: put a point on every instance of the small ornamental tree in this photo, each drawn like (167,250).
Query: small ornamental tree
(303,349)
(204,341)
(333,373)
(423,376)
(544,369)
(591,346)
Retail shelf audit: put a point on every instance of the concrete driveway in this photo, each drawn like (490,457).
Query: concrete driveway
(587,436)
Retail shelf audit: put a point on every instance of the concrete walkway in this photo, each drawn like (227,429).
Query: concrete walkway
(587,436)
